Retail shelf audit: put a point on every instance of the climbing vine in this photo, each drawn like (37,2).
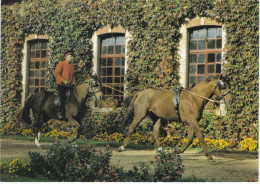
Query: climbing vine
(152,53)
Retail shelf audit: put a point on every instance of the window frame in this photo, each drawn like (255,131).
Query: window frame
(217,51)
(35,66)
(122,66)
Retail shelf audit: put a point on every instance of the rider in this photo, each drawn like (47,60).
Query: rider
(64,74)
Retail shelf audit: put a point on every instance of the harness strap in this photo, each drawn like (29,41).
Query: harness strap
(176,101)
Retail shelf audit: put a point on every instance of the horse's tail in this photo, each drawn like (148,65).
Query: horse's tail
(26,110)
(129,110)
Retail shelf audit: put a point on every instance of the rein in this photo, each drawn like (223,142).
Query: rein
(215,101)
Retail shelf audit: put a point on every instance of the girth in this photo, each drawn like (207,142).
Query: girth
(176,101)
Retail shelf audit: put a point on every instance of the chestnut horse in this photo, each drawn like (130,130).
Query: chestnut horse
(44,109)
(158,105)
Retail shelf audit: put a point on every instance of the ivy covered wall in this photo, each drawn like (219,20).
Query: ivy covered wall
(152,54)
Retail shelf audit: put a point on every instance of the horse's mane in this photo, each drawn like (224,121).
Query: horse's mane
(204,81)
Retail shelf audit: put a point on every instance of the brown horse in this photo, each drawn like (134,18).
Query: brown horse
(158,104)
(43,107)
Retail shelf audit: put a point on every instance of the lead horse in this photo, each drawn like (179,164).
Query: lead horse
(44,109)
(158,105)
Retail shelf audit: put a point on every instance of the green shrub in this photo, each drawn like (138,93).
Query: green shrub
(84,163)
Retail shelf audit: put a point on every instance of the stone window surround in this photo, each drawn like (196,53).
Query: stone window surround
(25,62)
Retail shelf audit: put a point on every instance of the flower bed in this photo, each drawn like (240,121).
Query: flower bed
(248,144)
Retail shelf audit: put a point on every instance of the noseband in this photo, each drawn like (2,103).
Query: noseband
(90,86)
(221,86)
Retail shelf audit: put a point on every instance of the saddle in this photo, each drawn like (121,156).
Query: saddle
(57,98)
(176,101)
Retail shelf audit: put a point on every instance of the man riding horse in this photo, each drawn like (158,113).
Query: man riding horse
(64,74)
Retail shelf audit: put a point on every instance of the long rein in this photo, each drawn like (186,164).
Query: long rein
(215,101)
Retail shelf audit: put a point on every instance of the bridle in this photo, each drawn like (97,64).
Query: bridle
(221,86)
(90,86)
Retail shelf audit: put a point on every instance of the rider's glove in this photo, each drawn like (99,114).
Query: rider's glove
(66,83)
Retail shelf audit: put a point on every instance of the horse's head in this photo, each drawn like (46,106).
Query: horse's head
(94,87)
(223,91)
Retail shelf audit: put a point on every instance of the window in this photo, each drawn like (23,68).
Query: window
(112,65)
(37,65)
(205,53)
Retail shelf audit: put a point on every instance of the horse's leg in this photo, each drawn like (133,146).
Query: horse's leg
(137,119)
(156,129)
(190,139)
(36,130)
(198,133)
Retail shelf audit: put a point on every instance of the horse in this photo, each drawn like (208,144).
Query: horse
(158,105)
(43,107)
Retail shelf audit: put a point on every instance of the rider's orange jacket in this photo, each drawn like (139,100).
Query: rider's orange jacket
(64,71)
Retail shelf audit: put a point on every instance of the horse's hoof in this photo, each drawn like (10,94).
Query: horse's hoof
(121,148)
(211,161)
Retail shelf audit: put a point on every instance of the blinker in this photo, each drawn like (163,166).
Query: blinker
(221,85)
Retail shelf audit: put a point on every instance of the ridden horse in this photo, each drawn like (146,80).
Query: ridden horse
(44,109)
(158,105)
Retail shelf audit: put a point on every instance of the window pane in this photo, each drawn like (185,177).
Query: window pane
(104,41)
(43,73)
(109,80)
(118,49)
(117,71)
(120,40)
(42,82)
(110,49)
(109,61)
(211,44)
(219,32)
(193,69)
(44,54)
(202,34)
(104,80)
(37,73)
(201,58)
(193,45)
(117,79)
(31,73)
(192,80)
(44,45)
(32,54)
(212,33)
(103,62)
(37,65)
(117,61)
(123,49)
(194,35)
(211,68)
(31,82)
(109,71)
(211,57)
(201,69)
(32,46)
(109,91)
(38,54)
(43,64)
(111,41)
(38,46)
(36,82)
(218,57)
(219,44)
(122,71)
(202,44)
(104,73)
(201,78)
(123,61)
(218,68)
(104,50)
(193,58)
(31,65)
